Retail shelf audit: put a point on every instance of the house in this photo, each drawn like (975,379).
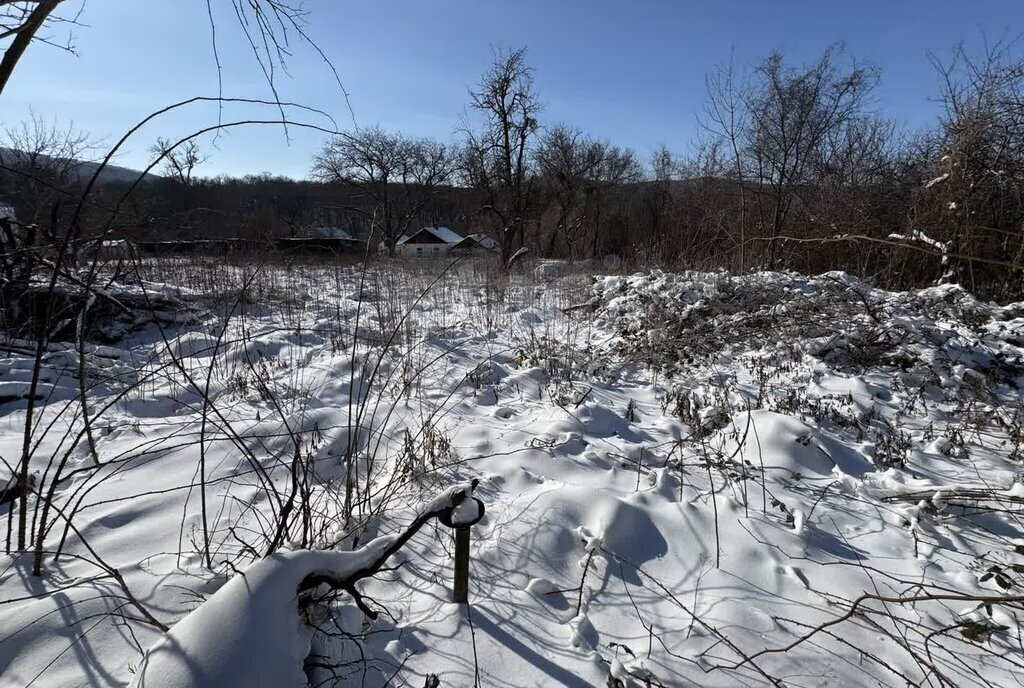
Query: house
(429,242)
(475,245)
(437,242)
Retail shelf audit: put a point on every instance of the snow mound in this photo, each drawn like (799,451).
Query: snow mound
(249,632)
(783,443)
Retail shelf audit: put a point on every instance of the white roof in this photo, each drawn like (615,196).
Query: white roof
(485,241)
(448,236)
(6,212)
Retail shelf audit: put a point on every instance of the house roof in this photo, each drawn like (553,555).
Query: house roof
(443,234)
(481,240)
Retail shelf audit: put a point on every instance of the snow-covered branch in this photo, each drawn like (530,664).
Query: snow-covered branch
(249,632)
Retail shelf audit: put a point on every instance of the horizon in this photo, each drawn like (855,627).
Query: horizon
(643,92)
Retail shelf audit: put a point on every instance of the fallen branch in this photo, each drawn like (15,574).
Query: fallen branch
(957,496)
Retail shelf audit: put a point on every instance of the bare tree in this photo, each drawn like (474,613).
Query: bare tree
(179,164)
(294,209)
(21,21)
(792,112)
(654,200)
(268,26)
(972,201)
(617,167)
(726,118)
(498,156)
(568,163)
(41,163)
(400,176)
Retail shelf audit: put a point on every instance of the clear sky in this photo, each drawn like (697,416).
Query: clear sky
(632,72)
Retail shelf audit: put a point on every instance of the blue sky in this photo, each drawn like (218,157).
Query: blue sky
(632,72)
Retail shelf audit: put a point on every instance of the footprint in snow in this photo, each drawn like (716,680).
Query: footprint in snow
(504,412)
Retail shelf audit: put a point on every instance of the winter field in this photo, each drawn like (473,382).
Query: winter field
(689,480)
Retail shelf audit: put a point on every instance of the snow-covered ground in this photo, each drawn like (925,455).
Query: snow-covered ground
(689,479)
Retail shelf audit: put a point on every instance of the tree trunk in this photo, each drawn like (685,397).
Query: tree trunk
(23,38)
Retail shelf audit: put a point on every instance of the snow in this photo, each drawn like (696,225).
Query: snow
(677,469)
(467,513)
(249,632)
(942,248)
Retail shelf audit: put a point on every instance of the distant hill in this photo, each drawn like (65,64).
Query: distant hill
(112,174)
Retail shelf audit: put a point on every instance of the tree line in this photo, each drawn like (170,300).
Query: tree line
(793,167)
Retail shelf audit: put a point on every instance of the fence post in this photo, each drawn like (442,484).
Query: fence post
(460,517)
(461,586)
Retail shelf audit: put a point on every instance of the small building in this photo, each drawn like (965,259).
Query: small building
(429,242)
(475,245)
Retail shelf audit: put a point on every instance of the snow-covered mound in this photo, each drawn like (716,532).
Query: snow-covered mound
(776,442)
(249,633)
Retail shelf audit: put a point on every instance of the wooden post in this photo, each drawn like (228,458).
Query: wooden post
(461,587)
